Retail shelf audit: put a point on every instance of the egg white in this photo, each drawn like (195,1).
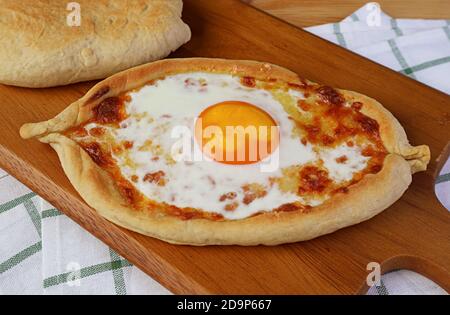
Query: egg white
(155,110)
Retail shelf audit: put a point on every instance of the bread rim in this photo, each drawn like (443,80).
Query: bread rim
(365,199)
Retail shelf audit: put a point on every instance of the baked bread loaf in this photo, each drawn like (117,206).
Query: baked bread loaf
(43,47)
(115,146)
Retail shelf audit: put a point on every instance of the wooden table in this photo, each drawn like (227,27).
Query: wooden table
(313,12)
(414,233)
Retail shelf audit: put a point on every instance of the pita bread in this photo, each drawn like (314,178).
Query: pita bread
(43,47)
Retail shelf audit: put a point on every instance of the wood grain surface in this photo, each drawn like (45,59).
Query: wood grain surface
(413,233)
(304,13)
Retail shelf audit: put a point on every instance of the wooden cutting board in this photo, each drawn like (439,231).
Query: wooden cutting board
(413,233)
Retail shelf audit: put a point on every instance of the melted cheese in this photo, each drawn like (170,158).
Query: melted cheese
(176,101)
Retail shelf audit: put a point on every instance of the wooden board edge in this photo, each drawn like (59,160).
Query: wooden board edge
(420,265)
(173,279)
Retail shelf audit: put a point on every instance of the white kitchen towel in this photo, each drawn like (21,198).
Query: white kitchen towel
(417,48)
(78,263)
(20,238)
(42,251)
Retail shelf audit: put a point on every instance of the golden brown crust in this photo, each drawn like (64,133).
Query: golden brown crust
(39,49)
(392,133)
(368,197)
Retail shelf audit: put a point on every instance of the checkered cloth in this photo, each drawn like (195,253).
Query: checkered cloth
(44,252)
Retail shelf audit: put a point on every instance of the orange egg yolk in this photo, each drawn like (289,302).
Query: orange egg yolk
(235,132)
